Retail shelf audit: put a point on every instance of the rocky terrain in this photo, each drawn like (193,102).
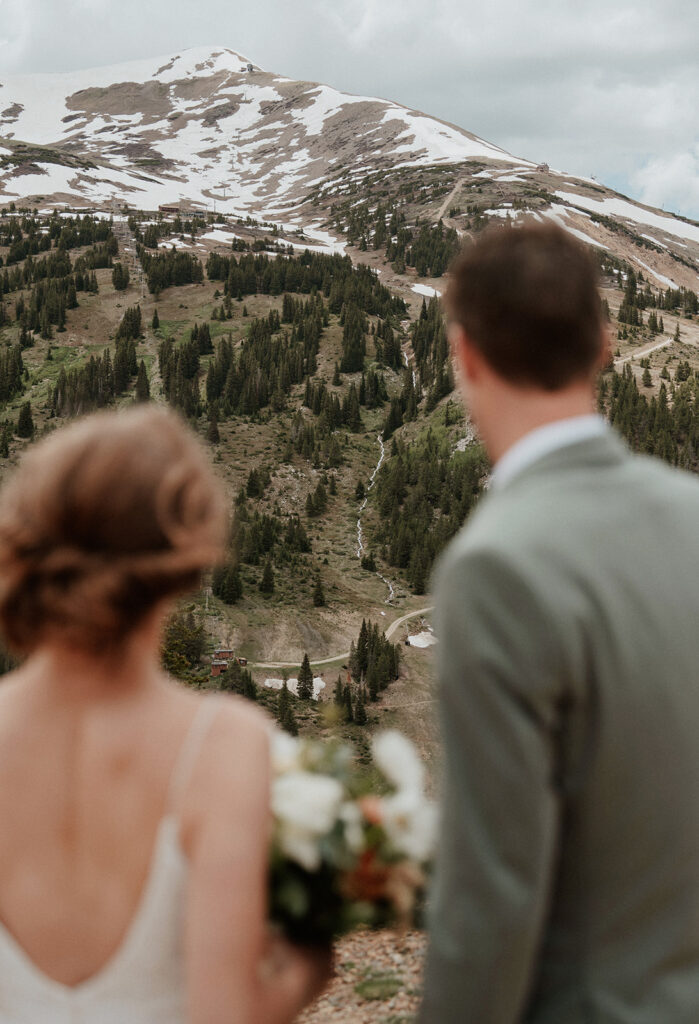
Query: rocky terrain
(208,130)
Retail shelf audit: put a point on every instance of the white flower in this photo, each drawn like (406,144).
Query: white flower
(306,806)
(398,759)
(410,822)
(353,820)
(285,752)
(301,846)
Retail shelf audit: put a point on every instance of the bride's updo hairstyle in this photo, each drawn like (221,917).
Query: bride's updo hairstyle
(101,522)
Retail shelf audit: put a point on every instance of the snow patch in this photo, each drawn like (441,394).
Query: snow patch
(424,639)
(220,235)
(276,684)
(425,289)
(559,214)
(623,208)
(659,277)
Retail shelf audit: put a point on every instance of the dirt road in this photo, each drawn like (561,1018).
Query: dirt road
(390,631)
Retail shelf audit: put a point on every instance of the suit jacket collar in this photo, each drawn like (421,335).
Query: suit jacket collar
(602,451)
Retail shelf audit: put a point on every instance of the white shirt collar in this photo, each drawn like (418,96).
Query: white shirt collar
(544,440)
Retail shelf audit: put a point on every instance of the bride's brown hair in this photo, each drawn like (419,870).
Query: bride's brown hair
(102,521)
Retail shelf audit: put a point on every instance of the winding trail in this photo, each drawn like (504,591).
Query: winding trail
(641,352)
(450,198)
(390,631)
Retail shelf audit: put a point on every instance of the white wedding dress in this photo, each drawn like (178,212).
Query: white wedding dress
(143,981)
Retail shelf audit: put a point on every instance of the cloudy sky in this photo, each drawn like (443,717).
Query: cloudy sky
(592,87)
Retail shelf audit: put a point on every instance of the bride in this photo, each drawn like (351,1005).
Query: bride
(135,822)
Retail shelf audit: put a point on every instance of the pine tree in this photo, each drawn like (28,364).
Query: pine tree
(318,592)
(360,715)
(363,648)
(353,662)
(304,684)
(285,712)
(142,385)
(373,680)
(120,277)
(155,322)
(212,433)
(5,441)
(647,380)
(349,710)
(267,581)
(25,422)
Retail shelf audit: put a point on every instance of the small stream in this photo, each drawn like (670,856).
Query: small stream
(372,481)
(360,533)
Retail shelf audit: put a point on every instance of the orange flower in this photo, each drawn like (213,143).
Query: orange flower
(372,809)
(367,882)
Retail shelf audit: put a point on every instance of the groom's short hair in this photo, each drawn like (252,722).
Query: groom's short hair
(528,299)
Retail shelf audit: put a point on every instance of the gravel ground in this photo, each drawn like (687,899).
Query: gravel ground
(377,980)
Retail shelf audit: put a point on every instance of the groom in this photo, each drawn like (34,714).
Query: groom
(567,890)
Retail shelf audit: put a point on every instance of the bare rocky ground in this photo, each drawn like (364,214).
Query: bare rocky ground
(378,978)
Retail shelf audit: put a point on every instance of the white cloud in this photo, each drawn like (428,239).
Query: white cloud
(670,181)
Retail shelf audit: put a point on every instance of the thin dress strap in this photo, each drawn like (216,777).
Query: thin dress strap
(189,751)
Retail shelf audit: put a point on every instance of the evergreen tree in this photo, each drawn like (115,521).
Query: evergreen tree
(354,666)
(304,684)
(363,648)
(238,680)
(120,277)
(360,715)
(647,380)
(318,592)
(25,422)
(226,583)
(155,322)
(267,581)
(212,433)
(142,385)
(285,712)
(349,710)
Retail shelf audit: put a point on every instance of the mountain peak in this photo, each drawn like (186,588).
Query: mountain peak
(182,124)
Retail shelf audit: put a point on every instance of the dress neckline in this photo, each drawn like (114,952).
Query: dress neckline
(168,829)
(167,833)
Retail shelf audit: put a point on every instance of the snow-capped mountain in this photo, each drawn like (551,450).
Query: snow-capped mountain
(208,128)
(204,124)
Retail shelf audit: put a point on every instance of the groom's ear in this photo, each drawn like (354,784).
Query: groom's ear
(606,359)
(468,359)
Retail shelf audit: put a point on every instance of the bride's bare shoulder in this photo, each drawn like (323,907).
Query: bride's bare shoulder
(231,776)
(237,713)
(237,738)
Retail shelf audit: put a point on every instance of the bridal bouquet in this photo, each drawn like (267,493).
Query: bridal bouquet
(343,854)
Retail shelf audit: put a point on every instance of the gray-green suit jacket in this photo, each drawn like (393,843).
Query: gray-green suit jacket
(567,888)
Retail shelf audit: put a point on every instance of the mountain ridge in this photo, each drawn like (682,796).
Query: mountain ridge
(199,130)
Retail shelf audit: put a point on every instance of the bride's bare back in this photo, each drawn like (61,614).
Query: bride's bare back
(83,789)
(104,524)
